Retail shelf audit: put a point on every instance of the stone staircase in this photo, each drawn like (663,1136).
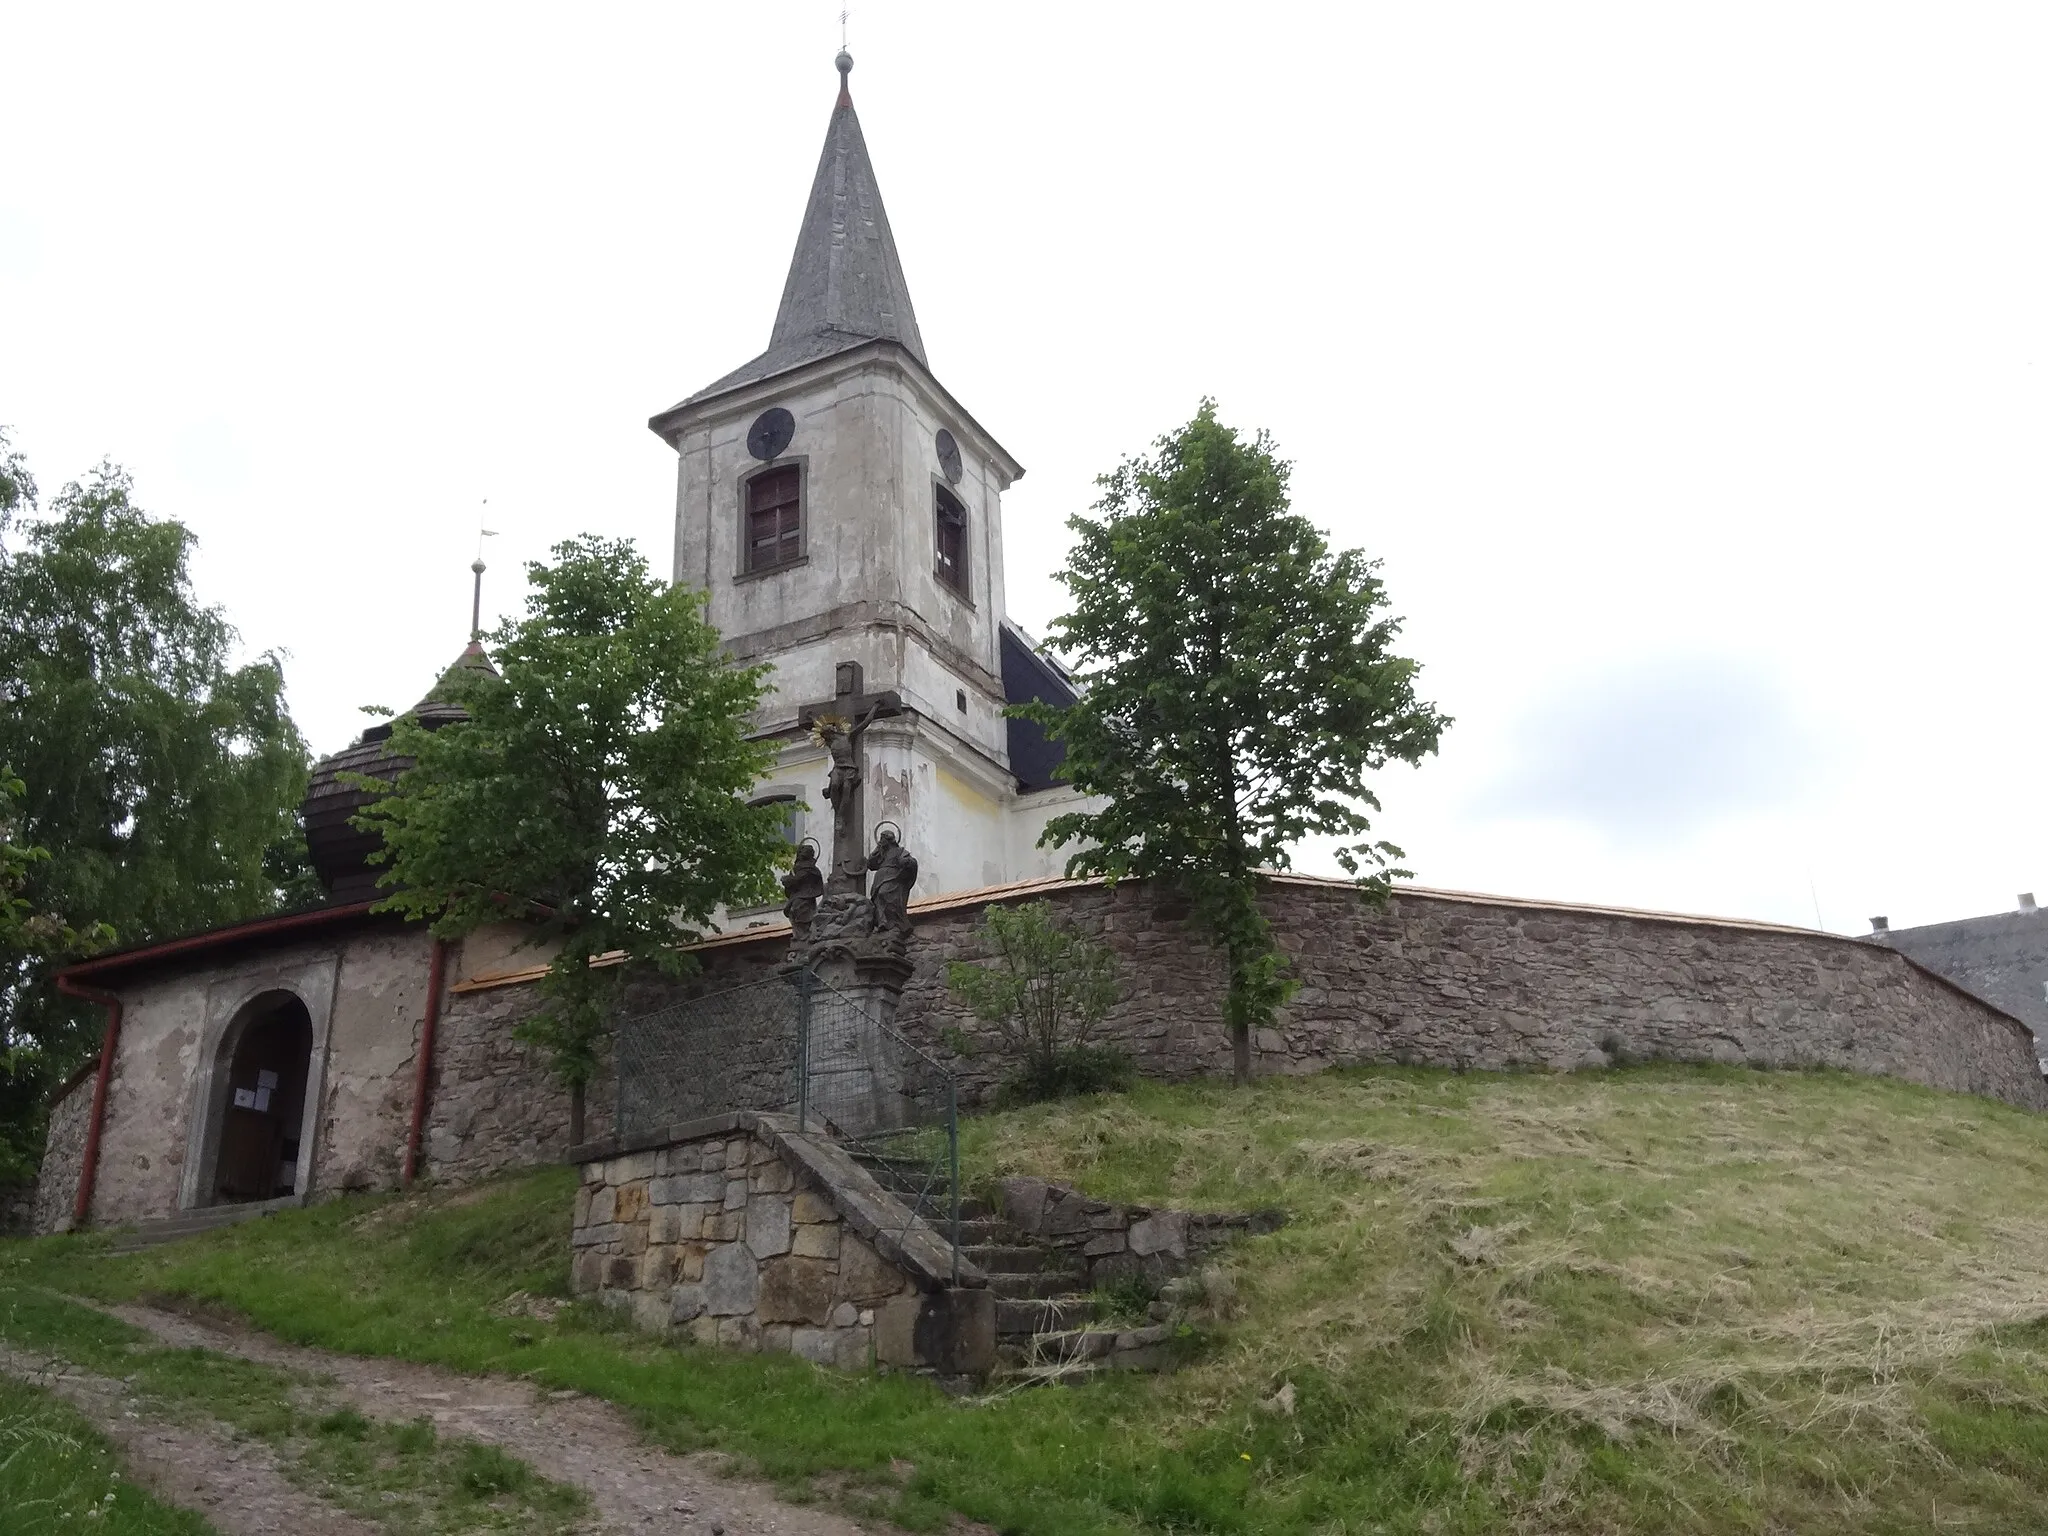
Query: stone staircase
(191,1223)
(1046,1316)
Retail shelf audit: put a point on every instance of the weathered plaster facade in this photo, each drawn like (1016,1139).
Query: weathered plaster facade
(363,984)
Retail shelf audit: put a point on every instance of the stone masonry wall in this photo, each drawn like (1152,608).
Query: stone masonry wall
(1113,1242)
(1485,983)
(737,1233)
(57,1180)
(495,1106)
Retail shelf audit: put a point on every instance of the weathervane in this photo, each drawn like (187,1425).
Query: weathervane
(476,597)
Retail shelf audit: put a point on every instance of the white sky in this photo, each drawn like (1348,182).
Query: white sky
(1685,365)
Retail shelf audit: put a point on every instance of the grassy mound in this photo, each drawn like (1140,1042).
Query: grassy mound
(1661,1299)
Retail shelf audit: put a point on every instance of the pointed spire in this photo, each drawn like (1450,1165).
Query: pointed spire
(846,283)
(845,278)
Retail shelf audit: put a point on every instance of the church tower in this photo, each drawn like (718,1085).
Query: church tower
(844,514)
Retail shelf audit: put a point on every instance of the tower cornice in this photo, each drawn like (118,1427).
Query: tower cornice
(755,394)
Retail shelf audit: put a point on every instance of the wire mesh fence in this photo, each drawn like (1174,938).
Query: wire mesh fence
(795,1044)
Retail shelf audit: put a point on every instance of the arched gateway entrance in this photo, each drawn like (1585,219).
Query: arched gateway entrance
(253,1144)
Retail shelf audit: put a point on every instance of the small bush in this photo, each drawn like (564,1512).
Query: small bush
(1077,1070)
(1045,990)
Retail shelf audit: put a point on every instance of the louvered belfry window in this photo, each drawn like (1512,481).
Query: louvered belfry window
(951,552)
(775,518)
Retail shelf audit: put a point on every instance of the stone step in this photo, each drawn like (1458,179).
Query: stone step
(1026,1315)
(988,1232)
(1045,1285)
(170,1229)
(1058,1348)
(1021,1259)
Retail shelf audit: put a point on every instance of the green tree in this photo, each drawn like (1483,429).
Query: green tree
(1045,991)
(158,776)
(1238,682)
(597,785)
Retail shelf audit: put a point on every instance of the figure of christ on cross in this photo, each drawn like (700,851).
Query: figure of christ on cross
(840,724)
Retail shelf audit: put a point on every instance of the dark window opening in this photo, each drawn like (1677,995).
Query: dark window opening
(960,700)
(952,541)
(775,523)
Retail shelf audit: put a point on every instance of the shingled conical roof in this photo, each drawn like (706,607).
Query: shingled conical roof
(846,283)
(340,850)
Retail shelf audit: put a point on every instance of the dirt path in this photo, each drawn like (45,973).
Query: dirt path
(635,1488)
(235,1484)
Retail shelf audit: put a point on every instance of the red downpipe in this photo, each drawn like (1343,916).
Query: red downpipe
(436,968)
(89,1165)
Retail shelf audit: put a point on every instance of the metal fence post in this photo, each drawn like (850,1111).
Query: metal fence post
(804,980)
(953,1156)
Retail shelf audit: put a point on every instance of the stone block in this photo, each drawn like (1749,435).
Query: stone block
(601,1204)
(1166,1232)
(810,1206)
(1105,1243)
(741,1333)
(689,1189)
(737,1152)
(952,1332)
(820,1346)
(845,1315)
(704,1330)
(587,1274)
(633,1238)
(629,1203)
(768,1227)
(735,1194)
(775,1338)
(635,1166)
(770,1177)
(854,1348)
(690,1261)
(594,1173)
(795,1290)
(686,1302)
(621,1273)
(864,1275)
(649,1311)
(1024,1203)
(816,1242)
(732,1281)
(582,1217)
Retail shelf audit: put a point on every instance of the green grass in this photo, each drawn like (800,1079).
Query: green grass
(1659,1299)
(401,1475)
(58,1474)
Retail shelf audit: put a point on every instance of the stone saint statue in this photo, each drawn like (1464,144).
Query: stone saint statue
(803,885)
(895,872)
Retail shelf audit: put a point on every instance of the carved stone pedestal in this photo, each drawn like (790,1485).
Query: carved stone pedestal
(855,1077)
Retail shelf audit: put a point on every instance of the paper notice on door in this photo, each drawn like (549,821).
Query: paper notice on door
(263,1097)
(266,1079)
(245,1098)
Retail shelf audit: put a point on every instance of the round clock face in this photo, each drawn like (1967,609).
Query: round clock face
(770,433)
(949,455)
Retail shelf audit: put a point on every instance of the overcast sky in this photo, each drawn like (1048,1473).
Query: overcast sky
(1683,364)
